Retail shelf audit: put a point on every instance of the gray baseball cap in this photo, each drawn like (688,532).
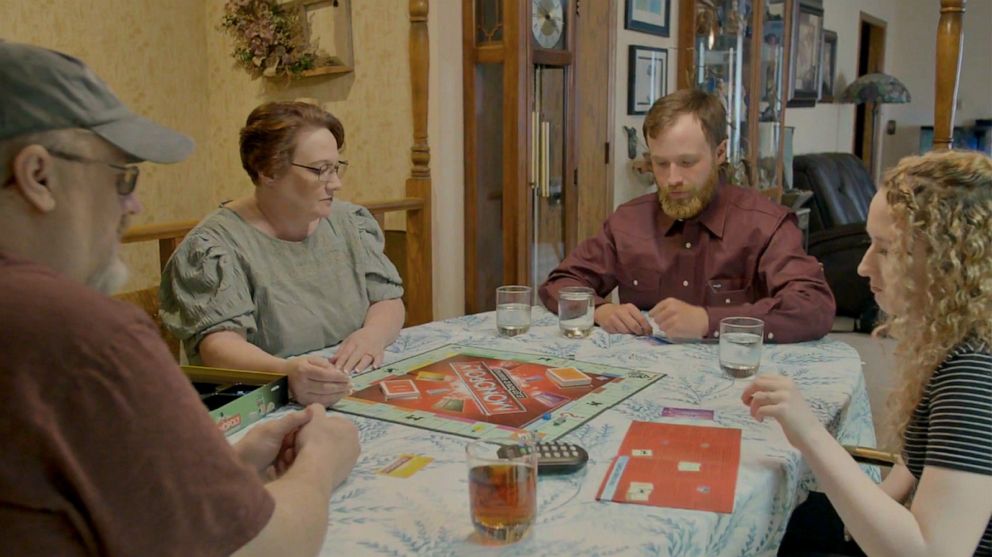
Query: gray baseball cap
(42,90)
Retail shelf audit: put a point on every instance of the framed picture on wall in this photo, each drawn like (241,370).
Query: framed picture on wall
(828,66)
(648,16)
(647,77)
(807,46)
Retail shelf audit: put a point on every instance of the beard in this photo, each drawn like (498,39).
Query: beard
(692,205)
(111,278)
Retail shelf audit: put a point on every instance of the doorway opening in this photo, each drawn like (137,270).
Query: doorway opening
(871,59)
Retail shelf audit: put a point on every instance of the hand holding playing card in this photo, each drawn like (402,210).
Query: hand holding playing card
(678,319)
(313,379)
(622,319)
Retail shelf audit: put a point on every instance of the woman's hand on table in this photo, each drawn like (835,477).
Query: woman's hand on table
(314,379)
(269,447)
(363,348)
(775,396)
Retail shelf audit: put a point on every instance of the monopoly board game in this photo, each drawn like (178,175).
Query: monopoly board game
(478,393)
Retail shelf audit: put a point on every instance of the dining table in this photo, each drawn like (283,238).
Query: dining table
(428,513)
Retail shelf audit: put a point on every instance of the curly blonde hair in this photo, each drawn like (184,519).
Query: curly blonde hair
(942,207)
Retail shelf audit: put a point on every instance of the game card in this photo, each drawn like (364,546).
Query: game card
(406,465)
(431,376)
(449,404)
(550,400)
(399,388)
(693,413)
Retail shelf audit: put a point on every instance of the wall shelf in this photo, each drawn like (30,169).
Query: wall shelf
(328,70)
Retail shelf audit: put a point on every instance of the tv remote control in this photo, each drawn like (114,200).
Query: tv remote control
(552,457)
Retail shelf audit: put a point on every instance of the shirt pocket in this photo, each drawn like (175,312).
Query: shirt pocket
(638,279)
(727,292)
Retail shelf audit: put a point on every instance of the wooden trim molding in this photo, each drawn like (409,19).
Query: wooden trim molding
(949,41)
(168,234)
(687,43)
(419,285)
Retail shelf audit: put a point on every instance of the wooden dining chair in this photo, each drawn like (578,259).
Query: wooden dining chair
(168,236)
(867,455)
(408,249)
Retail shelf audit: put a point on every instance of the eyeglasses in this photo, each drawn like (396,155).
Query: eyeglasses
(326,172)
(127,179)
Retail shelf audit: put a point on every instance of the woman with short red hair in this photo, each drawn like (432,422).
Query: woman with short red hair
(288,269)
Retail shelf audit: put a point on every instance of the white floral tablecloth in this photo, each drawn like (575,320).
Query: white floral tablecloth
(428,513)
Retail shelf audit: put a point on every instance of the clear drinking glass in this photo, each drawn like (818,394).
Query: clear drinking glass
(502,487)
(513,310)
(575,311)
(741,339)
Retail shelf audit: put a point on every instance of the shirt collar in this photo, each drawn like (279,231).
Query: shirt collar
(713,217)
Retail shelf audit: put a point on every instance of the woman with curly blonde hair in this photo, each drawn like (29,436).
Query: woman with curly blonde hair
(930,268)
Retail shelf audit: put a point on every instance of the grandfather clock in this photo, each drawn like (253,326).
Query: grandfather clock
(520,170)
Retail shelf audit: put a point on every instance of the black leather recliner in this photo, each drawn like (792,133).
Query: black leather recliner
(842,190)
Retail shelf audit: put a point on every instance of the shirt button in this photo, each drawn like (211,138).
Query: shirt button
(685,283)
(727,300)
(688,245)
(771,336)
(635,282)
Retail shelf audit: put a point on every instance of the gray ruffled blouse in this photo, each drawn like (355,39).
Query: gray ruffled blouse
(286,297)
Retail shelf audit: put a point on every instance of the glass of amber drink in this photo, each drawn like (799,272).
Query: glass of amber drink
(502,487)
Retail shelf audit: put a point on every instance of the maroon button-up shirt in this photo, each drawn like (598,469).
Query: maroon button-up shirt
(742,256)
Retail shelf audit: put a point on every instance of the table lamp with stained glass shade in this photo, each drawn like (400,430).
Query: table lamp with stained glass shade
(876,88)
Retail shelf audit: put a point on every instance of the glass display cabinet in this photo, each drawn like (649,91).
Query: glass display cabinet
(739,50)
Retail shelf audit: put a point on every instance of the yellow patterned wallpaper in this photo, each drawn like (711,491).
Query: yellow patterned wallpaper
(373,103)
(168,60)
(148,53)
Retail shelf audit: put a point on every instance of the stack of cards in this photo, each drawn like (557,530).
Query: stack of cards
(656,332)
(399,388)
(568,377)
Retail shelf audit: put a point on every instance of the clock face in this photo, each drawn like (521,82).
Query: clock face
(547,22)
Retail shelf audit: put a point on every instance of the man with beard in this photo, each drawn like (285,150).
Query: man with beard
(699,249)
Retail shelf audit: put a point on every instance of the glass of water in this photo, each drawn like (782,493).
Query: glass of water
(741,339)
(575,311)
(513,310)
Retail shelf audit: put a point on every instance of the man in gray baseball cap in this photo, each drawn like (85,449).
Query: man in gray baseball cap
(54,107)
(108,450)
(44,90)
